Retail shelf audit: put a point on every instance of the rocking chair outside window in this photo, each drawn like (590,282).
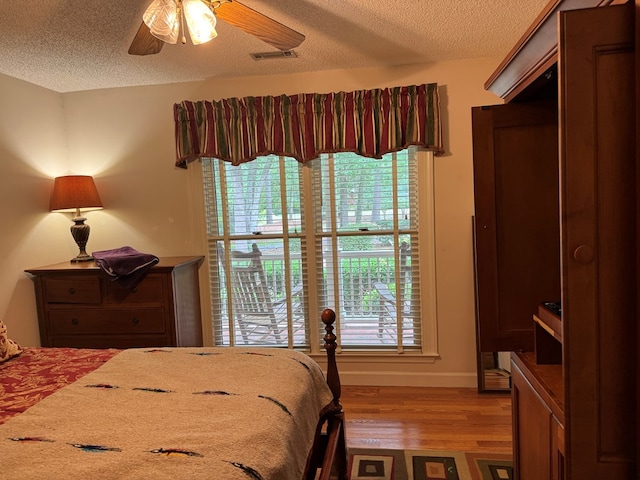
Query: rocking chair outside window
(257,316)
(388,310)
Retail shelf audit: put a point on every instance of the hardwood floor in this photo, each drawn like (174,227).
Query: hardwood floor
(427,418)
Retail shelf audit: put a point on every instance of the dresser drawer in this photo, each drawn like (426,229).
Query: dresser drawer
(107,321)
(76,289)
(111,341)
(150,291)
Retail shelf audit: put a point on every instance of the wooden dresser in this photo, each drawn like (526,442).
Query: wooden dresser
(80,306)
(556,181)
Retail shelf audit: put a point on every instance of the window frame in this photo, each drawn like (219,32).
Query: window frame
(427,272)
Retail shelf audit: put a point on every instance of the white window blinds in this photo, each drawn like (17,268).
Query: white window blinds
(287,240)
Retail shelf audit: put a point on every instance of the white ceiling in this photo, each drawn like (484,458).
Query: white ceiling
(73,45)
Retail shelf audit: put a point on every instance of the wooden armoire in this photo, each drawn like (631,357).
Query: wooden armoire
(556,235)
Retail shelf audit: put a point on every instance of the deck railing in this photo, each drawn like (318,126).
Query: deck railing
(359,301)
(359,270)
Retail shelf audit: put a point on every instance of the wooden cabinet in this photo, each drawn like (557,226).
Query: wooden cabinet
(80,306)
(575,376)
(538,396)
(516,219)
(538,432)
(532,421)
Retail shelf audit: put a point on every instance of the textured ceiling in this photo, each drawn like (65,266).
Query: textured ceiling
(73,45)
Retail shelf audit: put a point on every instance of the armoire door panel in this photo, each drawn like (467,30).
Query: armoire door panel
(517,250)
(532,430)
(598,174)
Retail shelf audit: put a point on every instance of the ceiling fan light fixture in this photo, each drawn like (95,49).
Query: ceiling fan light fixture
(163,19)
(164,22)
(200,20)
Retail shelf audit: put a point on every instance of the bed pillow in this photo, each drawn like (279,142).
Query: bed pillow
(8,348)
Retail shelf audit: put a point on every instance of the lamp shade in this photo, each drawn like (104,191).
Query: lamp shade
(73,192)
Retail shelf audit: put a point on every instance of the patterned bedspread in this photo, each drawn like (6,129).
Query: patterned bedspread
(38,372)
(187,413)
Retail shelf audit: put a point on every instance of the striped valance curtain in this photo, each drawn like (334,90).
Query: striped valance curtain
(367,122)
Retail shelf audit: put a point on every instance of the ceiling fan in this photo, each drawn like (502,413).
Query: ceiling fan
(164,19)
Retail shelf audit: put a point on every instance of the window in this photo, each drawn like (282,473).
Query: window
(346,232)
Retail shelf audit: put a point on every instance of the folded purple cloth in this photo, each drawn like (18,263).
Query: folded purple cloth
(127,266)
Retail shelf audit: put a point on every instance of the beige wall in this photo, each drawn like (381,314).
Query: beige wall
(33,148)
(124,137)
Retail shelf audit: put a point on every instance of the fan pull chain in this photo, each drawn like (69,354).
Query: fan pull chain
(183,39)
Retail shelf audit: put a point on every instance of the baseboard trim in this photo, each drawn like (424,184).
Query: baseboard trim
(408,379)
(397,371)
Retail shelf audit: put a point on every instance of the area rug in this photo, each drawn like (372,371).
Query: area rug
(384,464)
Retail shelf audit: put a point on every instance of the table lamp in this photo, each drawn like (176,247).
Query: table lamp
(70,194)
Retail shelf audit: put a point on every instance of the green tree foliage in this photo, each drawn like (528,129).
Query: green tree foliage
(362,186)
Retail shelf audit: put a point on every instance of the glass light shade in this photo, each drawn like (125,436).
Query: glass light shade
(163,19)
(200,20)
(73,192)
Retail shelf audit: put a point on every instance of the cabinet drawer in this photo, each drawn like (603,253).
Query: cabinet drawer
(107,321)
(149,291)
(72,290)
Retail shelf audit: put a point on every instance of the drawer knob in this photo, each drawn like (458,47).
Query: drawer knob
(74,321)
(72,291)
(135,320)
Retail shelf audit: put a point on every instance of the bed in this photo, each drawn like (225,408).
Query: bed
(188,413)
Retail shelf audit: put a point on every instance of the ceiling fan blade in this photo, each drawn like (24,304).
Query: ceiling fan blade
(144,43)
(259,25)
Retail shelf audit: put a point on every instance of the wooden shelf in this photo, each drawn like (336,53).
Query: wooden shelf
(547,333)
(551,322)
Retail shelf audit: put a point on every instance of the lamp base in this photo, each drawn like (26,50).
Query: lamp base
(82,257)
(80,233)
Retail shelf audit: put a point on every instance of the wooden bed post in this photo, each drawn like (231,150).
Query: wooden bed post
(329,451)
(335,458)
(328,317)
